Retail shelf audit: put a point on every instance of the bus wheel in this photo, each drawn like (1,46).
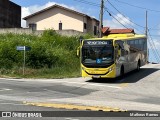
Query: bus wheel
(138,66)
(122,72)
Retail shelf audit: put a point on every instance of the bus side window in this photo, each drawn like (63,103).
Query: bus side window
(137,45)
(145,44)
(141,43)
(123,47)
(123,52)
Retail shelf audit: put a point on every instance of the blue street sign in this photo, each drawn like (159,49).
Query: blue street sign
(22,48)
(27,48)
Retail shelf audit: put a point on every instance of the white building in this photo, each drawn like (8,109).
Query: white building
(60,18)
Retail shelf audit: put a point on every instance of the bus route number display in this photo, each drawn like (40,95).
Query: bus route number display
(91,42)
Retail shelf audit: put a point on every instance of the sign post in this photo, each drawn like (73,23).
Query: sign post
(24,49)
(24,60)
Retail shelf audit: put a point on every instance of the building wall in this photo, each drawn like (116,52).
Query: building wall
(38,32)
(91,23)
(52,18)
(95,24)
(85,21)
(10,14)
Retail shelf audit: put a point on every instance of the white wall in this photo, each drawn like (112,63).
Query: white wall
(50,19)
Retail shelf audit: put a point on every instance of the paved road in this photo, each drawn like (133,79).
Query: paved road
(137,91)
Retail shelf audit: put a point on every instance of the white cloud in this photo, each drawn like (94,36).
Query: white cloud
(115,24)
(32,9)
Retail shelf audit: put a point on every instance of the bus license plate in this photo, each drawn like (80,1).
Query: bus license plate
(96,76)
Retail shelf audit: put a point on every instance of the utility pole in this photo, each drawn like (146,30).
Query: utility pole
(146,33)
(101,19)
(146,24)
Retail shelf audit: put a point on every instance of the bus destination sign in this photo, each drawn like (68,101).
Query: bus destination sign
(97,42)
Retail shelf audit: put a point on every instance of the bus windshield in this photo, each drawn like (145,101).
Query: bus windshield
(97,55)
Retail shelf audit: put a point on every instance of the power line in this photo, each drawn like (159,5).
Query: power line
(154,45)
(124,15)
(137,6)
(88,3)
(153,29)
(115,18)
(154,53)
(153,48)
(129,19)
(98,5)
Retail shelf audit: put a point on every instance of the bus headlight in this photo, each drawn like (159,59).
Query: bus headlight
(110,69)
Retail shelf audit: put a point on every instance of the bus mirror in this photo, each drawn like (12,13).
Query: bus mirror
(116,46)
(78,52)
(80,39)
(119,52)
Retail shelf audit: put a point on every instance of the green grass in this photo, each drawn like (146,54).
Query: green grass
(57,72)
(51,55)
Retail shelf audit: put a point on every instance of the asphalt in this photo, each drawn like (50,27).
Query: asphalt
(138,91)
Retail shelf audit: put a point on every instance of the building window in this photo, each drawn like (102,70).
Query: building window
(95,30)
(60,26)
(85,26)
(33,26)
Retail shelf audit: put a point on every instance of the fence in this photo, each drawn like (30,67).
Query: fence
(38,32)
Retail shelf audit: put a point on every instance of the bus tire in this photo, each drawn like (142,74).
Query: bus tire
(138,65)
(122,72)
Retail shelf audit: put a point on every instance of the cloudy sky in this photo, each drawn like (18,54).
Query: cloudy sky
(117,14)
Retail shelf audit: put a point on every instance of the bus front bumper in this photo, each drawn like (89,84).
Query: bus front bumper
(109,72)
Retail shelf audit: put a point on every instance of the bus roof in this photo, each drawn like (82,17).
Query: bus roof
(119,36)
(115,36)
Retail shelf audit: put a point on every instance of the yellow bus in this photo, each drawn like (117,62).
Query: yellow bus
(113,55)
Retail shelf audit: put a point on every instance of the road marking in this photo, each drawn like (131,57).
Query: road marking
(70,119)
(106,86)
(5,89)
(72,107)
(124,85)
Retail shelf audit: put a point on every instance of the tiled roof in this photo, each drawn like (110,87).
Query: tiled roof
(107,31)
(114,31)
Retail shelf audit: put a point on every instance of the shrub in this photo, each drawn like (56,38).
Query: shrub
(50,51)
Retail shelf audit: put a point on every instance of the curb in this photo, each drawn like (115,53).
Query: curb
(74,107)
